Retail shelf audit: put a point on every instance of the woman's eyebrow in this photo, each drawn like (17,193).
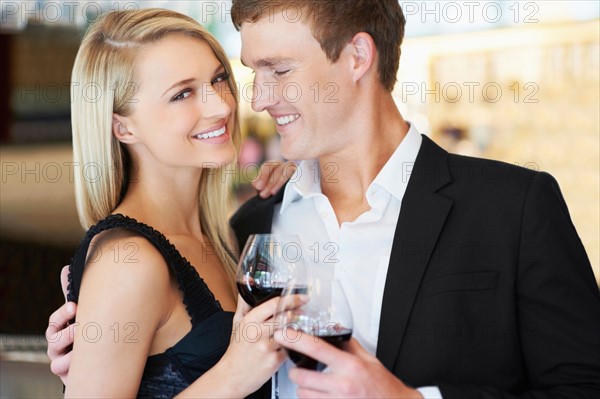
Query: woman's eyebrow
(180,83)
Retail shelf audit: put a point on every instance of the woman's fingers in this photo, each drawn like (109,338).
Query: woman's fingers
(242,310)
(263,311)
(272,176)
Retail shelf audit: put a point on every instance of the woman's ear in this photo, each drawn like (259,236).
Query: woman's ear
(120,130)
(364,54)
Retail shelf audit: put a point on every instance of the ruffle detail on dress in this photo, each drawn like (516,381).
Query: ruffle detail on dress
(199,301)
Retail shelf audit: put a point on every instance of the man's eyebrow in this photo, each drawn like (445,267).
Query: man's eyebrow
(270,62)
(180,83)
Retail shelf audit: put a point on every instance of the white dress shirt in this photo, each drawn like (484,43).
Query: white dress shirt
(356,253)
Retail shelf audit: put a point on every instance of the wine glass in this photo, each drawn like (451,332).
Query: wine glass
(324,313)
(267,263)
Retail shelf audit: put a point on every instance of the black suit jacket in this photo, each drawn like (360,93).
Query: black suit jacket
(489,291)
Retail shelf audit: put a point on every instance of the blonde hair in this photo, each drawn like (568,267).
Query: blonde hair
(104,73)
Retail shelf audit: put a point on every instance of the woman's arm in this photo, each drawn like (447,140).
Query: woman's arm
(122,303)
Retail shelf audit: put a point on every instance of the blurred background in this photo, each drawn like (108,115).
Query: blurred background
(516,81)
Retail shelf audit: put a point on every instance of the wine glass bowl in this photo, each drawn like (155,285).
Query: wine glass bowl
(266,264)
(324,313)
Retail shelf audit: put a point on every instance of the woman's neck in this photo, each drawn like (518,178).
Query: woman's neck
(166,200)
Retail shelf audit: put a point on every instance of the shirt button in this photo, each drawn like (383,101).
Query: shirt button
(323,215)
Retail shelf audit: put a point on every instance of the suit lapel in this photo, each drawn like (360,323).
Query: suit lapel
(422,217)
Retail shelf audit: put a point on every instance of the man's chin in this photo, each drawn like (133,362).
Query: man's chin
(293,155)
(294,151)
(287,152)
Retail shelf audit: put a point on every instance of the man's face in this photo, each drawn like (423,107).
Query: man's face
(305,94)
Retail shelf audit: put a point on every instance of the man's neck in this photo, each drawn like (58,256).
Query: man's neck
(347,175)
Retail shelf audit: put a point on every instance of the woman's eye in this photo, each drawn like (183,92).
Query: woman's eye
(220,78)
(281,73)
(182,95)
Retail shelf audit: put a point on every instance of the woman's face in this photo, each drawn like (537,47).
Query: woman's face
(183,111)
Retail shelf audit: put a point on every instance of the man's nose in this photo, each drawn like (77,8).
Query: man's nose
(264,94)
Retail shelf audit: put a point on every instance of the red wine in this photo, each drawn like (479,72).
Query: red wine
(337,339)
(255,295)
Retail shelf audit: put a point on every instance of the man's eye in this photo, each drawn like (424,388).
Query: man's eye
(281,73)
(182,95)
(220,78)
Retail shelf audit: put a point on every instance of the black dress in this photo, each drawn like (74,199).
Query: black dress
(168,373)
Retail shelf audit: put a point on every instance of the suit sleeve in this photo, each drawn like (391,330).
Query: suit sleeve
(558,305)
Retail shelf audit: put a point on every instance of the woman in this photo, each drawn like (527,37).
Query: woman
(153,277)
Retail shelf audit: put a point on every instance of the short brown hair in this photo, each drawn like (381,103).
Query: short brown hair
(335,22)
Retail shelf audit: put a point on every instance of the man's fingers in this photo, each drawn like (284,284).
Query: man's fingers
(61,316)
(312,394)
(64,280)
(60,367)
(59,341)
(314,384)
(312,346)
(58,335)
(354,348)
(289,302)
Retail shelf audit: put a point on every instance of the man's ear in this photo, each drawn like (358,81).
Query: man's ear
(120,130)
(364,54)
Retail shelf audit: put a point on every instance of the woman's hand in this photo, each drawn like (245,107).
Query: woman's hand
(251,358)
(253,355)
(272,176)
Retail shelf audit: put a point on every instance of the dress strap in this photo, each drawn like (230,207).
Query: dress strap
(198,299)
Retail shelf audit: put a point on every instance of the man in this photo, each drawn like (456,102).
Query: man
(466,277)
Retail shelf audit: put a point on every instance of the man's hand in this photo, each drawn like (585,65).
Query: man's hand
(60,335)
(272,176)
(353,373)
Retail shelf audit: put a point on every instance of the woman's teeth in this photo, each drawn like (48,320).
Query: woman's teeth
(214,133)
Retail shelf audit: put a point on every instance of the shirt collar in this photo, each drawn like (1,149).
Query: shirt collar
(304,183)
(393,177)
